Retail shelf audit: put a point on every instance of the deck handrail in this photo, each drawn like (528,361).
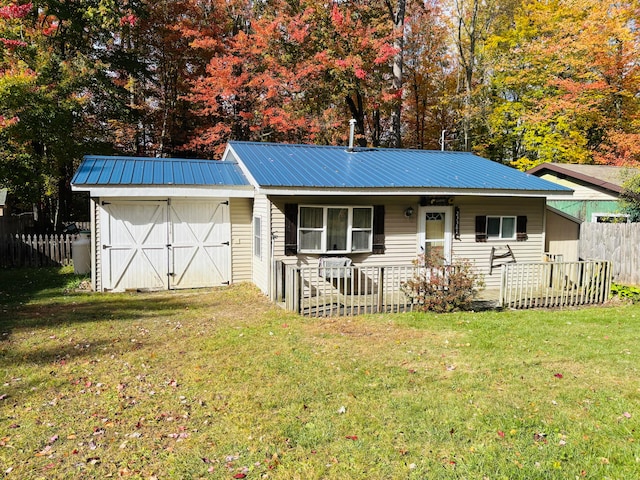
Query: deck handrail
(555,283)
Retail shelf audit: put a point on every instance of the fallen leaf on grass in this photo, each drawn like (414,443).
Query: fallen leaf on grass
(44,451)
(540,437)
(500,433)
(626,415)
(558,375)
(351,437)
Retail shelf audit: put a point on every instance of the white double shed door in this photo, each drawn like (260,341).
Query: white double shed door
(164,244)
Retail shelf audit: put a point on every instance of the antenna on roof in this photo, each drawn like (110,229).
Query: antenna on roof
(352,130)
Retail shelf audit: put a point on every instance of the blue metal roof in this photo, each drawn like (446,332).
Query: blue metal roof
(314,166)
(114,170)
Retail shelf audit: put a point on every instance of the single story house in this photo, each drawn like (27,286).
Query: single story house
(597,189)
(177,223)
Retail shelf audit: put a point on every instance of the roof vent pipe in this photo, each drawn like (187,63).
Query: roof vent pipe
(352,129)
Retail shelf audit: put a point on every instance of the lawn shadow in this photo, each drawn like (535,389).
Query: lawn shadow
(20,285)
(90,307)
(37,298)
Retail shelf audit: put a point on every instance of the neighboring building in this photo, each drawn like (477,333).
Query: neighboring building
(177,223)
(597,189)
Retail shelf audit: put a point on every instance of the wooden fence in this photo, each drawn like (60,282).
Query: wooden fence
(555,284)
(35,250)
(617,242)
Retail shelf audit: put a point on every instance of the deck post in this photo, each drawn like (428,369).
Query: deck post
(380,288)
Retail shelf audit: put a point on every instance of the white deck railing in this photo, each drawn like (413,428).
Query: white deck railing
(555,284)
(353,290)
(316,291)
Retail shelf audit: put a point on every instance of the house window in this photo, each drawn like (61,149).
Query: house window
(498,228)
(501,228)
(324,229)
(257,237)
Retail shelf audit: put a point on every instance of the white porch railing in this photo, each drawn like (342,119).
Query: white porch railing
(353,290)
(555,284)
(316,291)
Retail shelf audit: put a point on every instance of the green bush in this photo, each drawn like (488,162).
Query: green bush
(625,291)
(439,287)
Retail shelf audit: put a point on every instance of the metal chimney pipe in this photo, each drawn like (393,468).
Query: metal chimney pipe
(352,131)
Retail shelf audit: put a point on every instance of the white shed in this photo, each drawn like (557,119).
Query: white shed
(165,223)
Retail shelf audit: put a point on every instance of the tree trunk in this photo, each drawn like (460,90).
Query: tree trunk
(397,17)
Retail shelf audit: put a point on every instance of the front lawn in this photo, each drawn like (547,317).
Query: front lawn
(221,384)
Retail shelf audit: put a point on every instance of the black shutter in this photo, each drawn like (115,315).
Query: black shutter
(521,228)
(456,223)
(481,228)
(291,229)
(378,229)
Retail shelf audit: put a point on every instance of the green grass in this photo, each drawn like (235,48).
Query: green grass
(217,383)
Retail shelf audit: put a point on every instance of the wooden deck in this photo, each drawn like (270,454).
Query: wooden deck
(356,290)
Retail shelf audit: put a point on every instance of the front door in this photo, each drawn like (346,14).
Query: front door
(435,225)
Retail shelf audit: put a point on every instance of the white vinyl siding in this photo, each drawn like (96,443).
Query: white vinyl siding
(562,236)
(401,231)
(241,231)
(478,253)
(261,266)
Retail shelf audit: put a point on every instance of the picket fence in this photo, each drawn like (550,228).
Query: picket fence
(35,250)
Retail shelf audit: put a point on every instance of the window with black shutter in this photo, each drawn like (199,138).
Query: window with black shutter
(481,228)
(501,228)
(333,229)
(521,228)
(291,229)
(378,230)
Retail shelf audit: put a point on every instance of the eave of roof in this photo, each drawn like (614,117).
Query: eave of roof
(276,168)
(568,172)
(111,171)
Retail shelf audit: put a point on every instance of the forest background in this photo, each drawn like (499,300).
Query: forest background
(518,81)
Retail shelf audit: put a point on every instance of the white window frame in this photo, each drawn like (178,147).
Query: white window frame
(257,237)
(500,237)
(324,229)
